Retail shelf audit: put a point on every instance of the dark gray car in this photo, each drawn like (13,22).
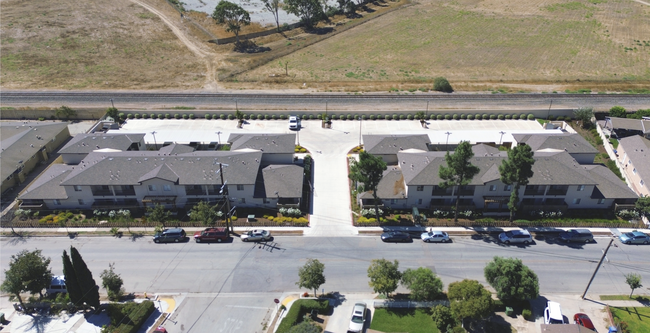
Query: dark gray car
(577,236)
(170,236)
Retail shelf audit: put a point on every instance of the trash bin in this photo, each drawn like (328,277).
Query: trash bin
(509,311)
(612,329)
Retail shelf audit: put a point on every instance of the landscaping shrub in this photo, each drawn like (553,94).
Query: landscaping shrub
(447,117)
(128,317)
(121,116)
(485,116)
(501,117)
(168,116)
(463,116)
(440,117)
(145,116)
(387,117)
(508,116)
(267,117)
(560,118)
(567,118)
(191,115)
(304,116)
(433,117)
(153,116)
(493,117)
(350,117)
(531,117)
(161,116)
(515,116)
(129,116)
(551,117)
(470,117)
(186,116)
(523,116)
(372,117)
(395,116)
(260,116)
(402,117)
(441,84)
(527,314)
(455,116)
(177,116)
(298,310)
(208,116)
(283,117)
(363,117)
(409,116)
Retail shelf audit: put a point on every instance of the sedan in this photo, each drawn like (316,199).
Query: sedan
(256,236)
(358,318)
(434,236)
(583,320)
(634,237)
(395,236)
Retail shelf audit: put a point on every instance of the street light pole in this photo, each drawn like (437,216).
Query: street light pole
(113,105)
(236,105)
(427,113)
(154,139)
(359,130)
(548,114)
(219,136)
(597,267)
(501,140)
(224,193)
(447,144)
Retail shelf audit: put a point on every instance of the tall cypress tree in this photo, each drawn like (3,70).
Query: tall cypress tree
(89,288)
(71,282)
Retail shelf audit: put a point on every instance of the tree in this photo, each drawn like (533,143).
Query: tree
(309,11)
(634,281)
(368,170)
(311,275)
(112,282)
(89,289)
(205,213)
(469,299)
(459,170)
(28,272)
(517,169)
(441,84)
(618,111)
(232,15)
(273,6)
(113,113)
(443,317)
(384,276)
(584,115)
(347,7)
(423,284)
(642,204)
(305,327)
(71,282)
(158,213)
(64,112)
(511,279)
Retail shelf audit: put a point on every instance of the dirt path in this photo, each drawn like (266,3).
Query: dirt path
(643,2)
(201,51)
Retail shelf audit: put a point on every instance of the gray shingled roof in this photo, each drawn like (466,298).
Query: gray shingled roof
(48,184)
(392,144)
(391,185)
(609,185)
(637,149)
(630,124)
(196,168)
(86,143)
(286,180)
(19,140)
(570,142)
(268,143)
(174,149)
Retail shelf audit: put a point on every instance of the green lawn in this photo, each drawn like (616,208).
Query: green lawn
(623,298)
(637,318)
(403,320)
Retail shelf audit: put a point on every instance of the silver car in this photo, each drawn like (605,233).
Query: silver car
(516,236)
(435,236)
(256,236)
(634,237)
(358,319)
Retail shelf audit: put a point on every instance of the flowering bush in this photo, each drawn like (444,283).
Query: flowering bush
(441,213)
(543,214)
(290,211)
(365,220)
(628,214)
(371,212)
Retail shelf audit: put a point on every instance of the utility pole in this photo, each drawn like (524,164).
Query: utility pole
(154,139)
(501,140)
(597,267)
(447,143)
(548,114)
(359,131)
(113,105)
(224,193)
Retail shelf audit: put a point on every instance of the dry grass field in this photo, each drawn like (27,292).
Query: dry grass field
(600,43)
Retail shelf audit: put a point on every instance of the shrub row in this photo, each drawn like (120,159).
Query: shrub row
(284,219)
(348,116)
(128,317)
(298,310)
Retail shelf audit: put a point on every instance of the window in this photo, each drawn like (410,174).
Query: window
(601,201)
(419,201)
(242,200)
(576,201)
(57,202)
(240,187)
(420,188)
(81,202)
(265,200)
(581,188)
(634,171)
(507,188)
(77,188)
(167,188)
(152,188)
(493,188)
(393,201)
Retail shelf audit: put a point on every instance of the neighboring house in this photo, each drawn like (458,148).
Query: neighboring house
(138,179)
(25,145)
(387,147)
(83,144)
(634,157)
(559,183)
(624,127)
(572,143)
(277,148)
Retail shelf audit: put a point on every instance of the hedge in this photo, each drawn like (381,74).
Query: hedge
(129,316)
(298,309)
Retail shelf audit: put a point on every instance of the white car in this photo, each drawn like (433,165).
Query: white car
(553,313)
(256,235)
(435,236)
(294,122)
(358,318)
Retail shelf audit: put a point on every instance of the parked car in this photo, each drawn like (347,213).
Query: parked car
(395,236)
(516,236)
(577,235)
(583,320)
(553,313)
(634,237)
(170,236)
(435,236)
(160,329)
(294,122)
(211,235)
(256,236)
(358,318)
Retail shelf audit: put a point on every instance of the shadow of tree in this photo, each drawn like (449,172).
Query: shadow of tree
(20,238)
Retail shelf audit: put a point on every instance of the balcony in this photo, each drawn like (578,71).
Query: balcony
(194,191)
(102,192)
(125,192)
(617,206)
(32,204)
(289,203)
(467,190)
(450,205)
(557,190)
(535,191)
(437,191)
(370,203)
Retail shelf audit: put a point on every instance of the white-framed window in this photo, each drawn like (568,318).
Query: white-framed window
(57,202)
(581,188)
(81,201)
(493,188)
(419,201)
(576,201)
(152,188)
(420,188)
(601,201)
(240,187)
(507,188)
(77,188)
(634,171)
(167,188)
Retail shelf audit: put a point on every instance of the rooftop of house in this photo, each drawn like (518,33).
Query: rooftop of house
(175,149)
(268,143)
(391,185)
(629,124)
(569,142)
(48,184)
(279,180)
(86,143)
(637,149)
(392,144)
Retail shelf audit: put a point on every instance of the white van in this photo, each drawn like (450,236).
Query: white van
(553,313)
(57,285)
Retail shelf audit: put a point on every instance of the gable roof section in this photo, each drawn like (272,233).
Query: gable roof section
(286,180)
(268,143)
(86,143)
(637,149)
(48,184)
(630,124)
(391,185)
(175,149)
(392,144)
(569,142)
(196,168)
(558,168)
(609,185)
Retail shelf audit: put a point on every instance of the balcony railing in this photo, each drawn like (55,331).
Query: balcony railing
(125,192)
(194,191)
(101,192)
(557,191)
(534,192)
(441,192)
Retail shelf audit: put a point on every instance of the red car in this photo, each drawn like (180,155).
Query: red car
(583,320)
(211,235)
(160,329)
